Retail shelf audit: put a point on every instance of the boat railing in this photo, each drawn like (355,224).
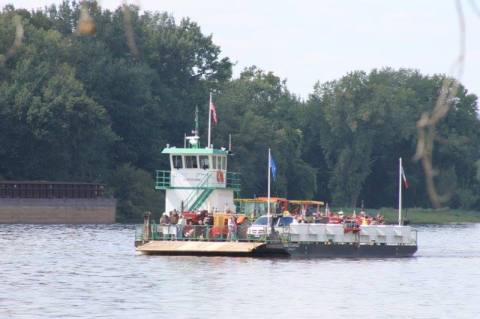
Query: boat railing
(162,179)
(195,197)
(299,233)
(139,233)
(205,233)
(234,181)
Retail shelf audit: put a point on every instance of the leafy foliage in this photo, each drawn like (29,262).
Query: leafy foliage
(367,121)
(133,188)
(100,108)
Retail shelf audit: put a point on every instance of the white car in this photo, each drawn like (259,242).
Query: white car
(259,227)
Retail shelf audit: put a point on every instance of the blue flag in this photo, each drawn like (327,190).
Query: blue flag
(273,167)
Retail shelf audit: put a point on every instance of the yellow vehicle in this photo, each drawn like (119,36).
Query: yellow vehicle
(305,207)
(256,207)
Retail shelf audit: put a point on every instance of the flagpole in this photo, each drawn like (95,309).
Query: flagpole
(400,192)
(209,120)
(268,191)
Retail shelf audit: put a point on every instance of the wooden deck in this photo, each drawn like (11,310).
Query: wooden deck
(198,247)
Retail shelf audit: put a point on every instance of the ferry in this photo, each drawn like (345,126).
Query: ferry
(203,218)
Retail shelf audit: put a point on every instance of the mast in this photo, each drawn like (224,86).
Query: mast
(268,204)
(209,120)
(400,191)
(196,121)
(194,140)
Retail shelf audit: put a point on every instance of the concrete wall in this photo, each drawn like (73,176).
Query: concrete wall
(57,211)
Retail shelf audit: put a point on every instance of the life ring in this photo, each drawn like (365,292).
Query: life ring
(220,177)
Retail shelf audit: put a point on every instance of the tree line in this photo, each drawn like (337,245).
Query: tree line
(100,106)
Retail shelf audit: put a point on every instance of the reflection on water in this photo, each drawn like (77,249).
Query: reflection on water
(58,271)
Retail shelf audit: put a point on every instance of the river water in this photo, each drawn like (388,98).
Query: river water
(91,271)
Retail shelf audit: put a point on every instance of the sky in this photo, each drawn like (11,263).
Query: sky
(306,41)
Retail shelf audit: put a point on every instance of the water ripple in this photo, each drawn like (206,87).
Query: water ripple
(92,271)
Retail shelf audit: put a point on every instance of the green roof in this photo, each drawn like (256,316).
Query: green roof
(193,151)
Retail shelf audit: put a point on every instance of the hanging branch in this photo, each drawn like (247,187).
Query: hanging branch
(17,42)
(426,126)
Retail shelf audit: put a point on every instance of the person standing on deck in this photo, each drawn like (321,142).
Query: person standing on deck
(174,217)
(232,228)
(180,224)
(165,219)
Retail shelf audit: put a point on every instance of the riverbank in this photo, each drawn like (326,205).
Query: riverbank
(428,216)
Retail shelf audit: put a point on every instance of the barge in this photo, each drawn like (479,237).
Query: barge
(315,240)
(201,218)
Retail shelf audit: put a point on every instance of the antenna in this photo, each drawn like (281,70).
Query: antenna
(196,121)
(194,140)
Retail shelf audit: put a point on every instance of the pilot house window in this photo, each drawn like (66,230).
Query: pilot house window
(203,161)
(219,162)
(224,162)
(214,162)
(191,162)
(177,161)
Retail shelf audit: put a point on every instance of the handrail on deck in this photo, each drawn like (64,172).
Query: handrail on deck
(285,235)
(198,193)
(162,179)
(205,233)
(234,181)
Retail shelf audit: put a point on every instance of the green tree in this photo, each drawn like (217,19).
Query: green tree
(100,107)
(133,189)
(53,129)
(259,112)
(365,122)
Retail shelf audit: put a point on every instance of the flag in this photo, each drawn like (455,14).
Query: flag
(273,167)
(213,112)
(404,178)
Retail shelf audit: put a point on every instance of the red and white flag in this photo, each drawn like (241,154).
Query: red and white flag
(213,112)
(404,178)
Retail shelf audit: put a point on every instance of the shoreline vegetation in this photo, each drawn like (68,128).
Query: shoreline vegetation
(80,103)
(418,216)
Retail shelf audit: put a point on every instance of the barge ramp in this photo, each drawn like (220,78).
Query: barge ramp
(199,248)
